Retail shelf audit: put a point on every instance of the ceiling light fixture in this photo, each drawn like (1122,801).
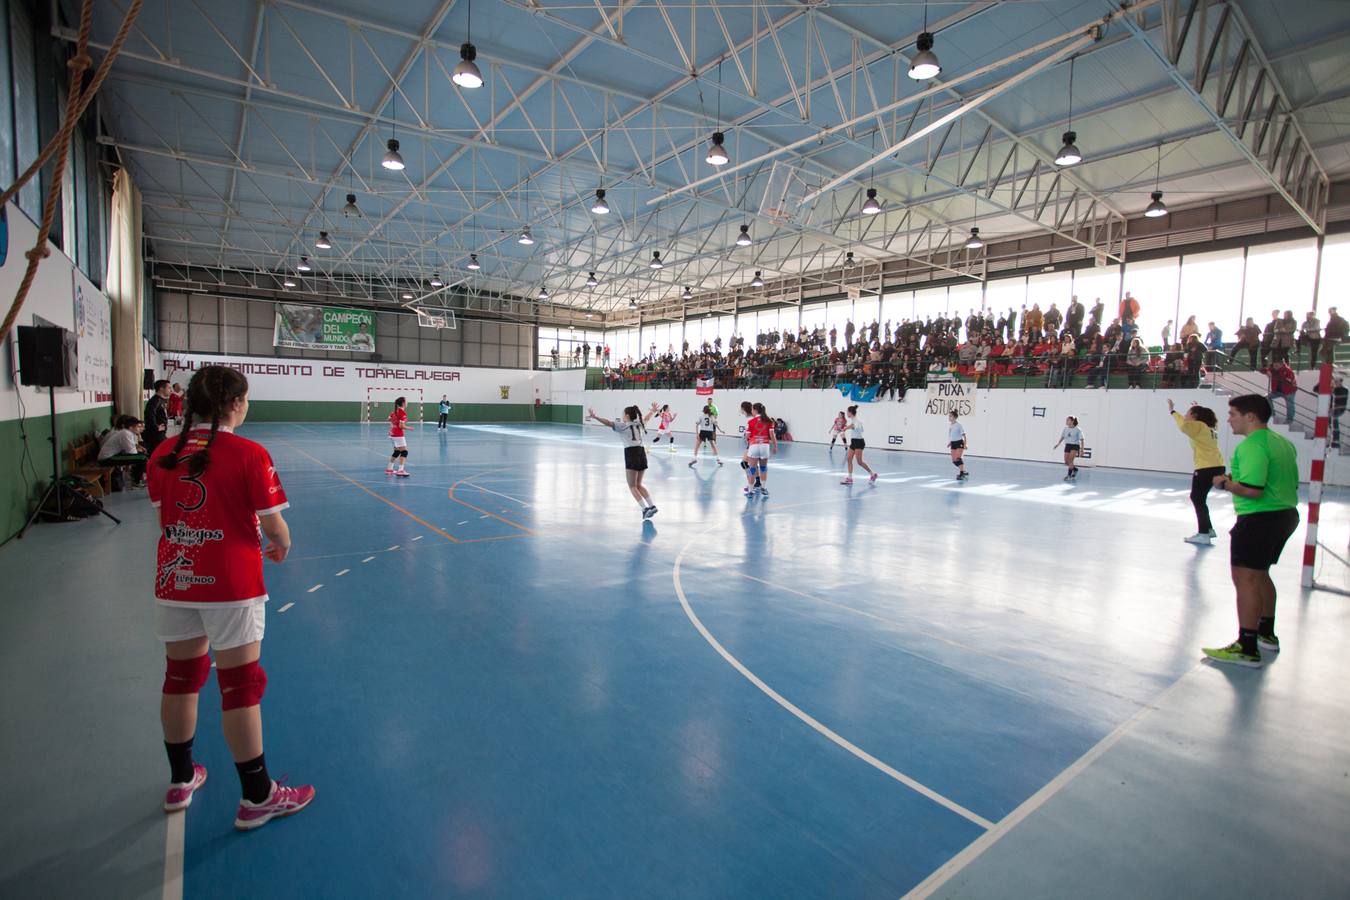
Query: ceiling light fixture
(1069,154)
(590,315)
(525,236)
(466,73)
(656,261)
(743,239)
(393,160)
(350,210)
(600,207)
(925,63)
(288,281)
(304,265)
(436,280)
(407,296)
(849,261)
(757,282)
(632,304)
(871,205)
(590,280)
(543,293)
(974,242)
(687,295)
(717,153)
(323,243)
(1157,209)
(473,262)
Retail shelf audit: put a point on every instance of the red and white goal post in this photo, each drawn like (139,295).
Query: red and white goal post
(1316,479)
(380,403)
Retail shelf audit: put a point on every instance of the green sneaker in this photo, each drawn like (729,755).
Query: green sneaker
(1233,655)
(1268,642)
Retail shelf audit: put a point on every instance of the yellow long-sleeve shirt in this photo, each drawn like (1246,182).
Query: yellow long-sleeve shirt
(1204,442)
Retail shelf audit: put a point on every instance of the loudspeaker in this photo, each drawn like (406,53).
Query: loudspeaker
(148,380)
(46,356)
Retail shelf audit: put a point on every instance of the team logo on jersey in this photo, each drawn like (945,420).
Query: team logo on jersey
(169,569)
(201,496)
(181,533)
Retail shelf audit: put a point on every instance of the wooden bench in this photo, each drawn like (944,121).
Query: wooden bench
(82,460)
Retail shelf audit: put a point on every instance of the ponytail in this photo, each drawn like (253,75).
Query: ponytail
(762,413)
(210,394)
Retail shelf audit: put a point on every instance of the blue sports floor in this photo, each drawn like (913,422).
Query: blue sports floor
(504,684)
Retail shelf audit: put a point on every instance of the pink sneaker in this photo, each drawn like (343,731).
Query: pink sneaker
(285,801)
(179,796)
(402,474)
(389,471)
(873,478)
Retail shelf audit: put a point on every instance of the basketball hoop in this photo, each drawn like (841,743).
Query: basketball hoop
(443,318)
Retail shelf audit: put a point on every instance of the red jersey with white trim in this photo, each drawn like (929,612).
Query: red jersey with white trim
(396,420)
(209,548)
(757,431)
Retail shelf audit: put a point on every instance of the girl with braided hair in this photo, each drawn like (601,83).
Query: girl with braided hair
(213,490)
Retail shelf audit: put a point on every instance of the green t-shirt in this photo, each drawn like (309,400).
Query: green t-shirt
(1266,460)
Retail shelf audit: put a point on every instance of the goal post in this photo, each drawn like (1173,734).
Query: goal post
(379,403)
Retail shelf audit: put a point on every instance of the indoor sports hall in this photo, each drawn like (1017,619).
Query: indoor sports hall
(637,448)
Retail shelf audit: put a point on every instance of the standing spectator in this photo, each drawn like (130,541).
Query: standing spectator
(1190,328)
(1311,334)
(1073,319)
(848,334)
(1214,338)
(1136,361)
(156,417)
(834,336)
(586,353)
(1098,311)
(554,354)
(1166,336)
(176,404)
(1129,307)
(1195,358)
(1053,318)
(1268,338)
(1032,322)
(1337,329)
(1284,336)
(1264,485)
(1249,336)
(1283,383)
(1339,396)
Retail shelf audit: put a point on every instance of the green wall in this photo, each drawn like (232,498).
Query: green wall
(18,497)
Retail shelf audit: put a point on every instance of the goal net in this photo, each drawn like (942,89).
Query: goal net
(380,403)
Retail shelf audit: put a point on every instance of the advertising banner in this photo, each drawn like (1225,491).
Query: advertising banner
(324,328)
(93,335)
(950,396)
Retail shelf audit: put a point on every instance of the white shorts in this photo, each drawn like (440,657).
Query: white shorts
(233,626)
(757,451)
(400,443)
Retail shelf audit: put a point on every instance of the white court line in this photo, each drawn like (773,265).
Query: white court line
(418,538)
(395,547)
(465,522)
(176,825)
(313,589)
(498,493)
(343,572)
(367,559)
(782,701)
(286,607)
(482,517)
(953,866)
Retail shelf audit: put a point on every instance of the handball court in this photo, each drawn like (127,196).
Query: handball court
(504,684)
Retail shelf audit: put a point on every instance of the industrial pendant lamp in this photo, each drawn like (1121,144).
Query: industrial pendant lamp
(757,281)
(350,210)
(687,295)
(1157,209)
(393,160)
(406,295)
(543,293)
(323,243)
(717,153)
(632,304)
(871,205)
(1069,154)
(600,207)
(656,261)
(743,239)
(473,262)
(925,64)
(436,280)
(974,242)
(288,282)
(466,73)
(525,237)
(304,265)
(849,261)
(590,280)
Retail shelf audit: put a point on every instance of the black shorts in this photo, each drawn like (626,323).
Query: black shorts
(856,444)
(1259,537)
(1071,448)
(707,435)
(957,445)
(635,458)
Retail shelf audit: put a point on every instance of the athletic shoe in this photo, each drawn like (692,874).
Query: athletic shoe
(1199,538)
(648,512)
(1067,477)
(1212,533)
(749,492)
(179,796)
(692,463)
(389,470)
(1268,642)
(672,448)
(402,474)
(847,481)
(873,478)
(284,801)
(719,462)
(764,492)
(1233,654)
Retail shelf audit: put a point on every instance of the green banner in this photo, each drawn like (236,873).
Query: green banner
(324,328)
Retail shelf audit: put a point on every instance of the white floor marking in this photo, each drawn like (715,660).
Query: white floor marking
(395,547)
(498,493)
(802,715)
(367,559)
(175,826)
(343,572)
(482,517)
(418,538)
(465,522)
(953,866)
(313,589)
(286,607)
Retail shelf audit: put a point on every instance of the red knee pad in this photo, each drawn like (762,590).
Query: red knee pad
(241,686)
(186,676)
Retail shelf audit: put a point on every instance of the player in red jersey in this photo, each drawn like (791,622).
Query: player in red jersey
(760,438)
(213,490)
(397,420)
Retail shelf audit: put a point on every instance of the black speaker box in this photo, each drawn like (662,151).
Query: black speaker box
(46,356)
(148,380)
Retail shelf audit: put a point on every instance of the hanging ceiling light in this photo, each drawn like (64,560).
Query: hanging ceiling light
(350,210)
(687,295)
(849,261)
(473,262)
(871,205)
(543,293)
(288,281)
(525,236)
(304,265)
(743,239)
(323,243)
(632,304)
(1157,209)
(407,296)
(1069,154)
(974,242)
(757,281)
(925,64)
(717,153)
(590,280)
(436,280)
(590,315)
(656,261)
(393,160)
(600,207)
(466,73)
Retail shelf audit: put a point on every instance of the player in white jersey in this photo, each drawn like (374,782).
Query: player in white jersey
(1072,439)
(663,428)
(631,428)
(856,445)
(956,442)
(706,428)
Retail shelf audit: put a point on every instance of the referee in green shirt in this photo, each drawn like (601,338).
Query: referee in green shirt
(1264,485)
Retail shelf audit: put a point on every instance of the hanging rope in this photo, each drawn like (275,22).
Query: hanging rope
(76,103)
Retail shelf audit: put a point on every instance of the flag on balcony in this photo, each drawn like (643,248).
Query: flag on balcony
(703,386)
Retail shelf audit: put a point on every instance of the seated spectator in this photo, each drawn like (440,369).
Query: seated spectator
(121,449)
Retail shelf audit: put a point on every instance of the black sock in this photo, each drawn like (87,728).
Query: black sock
(1266,626)
(1247,638)
(254,780)
(180,761)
